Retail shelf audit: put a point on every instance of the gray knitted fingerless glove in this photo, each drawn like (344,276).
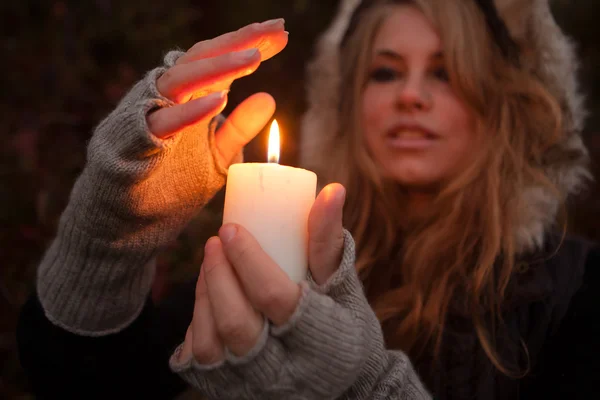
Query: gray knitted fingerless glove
(135,195)
(331,348)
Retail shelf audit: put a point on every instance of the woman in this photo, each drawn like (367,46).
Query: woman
(477,147)
(456,168)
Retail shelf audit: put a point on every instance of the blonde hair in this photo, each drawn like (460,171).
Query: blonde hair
(464,248)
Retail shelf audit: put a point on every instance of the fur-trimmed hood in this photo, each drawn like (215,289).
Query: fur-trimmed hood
(547,52)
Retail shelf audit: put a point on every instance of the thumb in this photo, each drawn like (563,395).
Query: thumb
(326,232)
(244,123)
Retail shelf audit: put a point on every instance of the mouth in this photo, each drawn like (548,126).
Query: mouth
(413,137)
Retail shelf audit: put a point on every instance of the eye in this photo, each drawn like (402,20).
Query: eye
(383,74)
(441,74)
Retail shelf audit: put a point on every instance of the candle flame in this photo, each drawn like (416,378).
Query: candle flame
(273,153)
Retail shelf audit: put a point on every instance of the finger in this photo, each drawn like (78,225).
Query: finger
(199,78)
(326,232)
(268,37)
(206,345)
(244,123)
(165,122)
(267,286)
(238,323)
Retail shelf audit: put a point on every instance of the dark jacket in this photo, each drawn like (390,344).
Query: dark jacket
(551,328)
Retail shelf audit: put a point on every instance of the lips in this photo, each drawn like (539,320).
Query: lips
(411,134)
(410,137)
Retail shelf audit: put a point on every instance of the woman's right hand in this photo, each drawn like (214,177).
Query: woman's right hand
(152,164)
(200,79)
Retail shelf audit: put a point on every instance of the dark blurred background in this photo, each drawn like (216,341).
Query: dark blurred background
(65,65)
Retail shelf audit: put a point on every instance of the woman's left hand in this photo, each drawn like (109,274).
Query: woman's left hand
(239,283)
(256,334)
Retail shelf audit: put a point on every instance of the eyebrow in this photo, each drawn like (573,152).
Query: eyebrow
(398,57)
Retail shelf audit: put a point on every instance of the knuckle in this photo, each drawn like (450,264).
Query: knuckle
(319,243)
(269,298)
(240,250)
(206,352)
(166,80)
(325,242)
(197,46)
(233,329)
(252,28)
(318,237)
(209,266)
(245,32)
(321,249)
(239,34)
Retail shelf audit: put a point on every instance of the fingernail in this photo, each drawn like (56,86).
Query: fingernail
(287,33)
(247,54)
(272,22)
(227,233)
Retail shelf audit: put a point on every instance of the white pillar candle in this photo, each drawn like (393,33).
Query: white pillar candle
(273,202)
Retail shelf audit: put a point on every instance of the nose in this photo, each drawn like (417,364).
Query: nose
(413,94)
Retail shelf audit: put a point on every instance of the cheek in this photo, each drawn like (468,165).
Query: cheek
(374,112)
(369,110)
(460,125)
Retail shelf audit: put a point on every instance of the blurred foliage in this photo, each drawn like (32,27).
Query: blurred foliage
(66,65)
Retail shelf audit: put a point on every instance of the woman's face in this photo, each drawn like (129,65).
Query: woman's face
(416,128)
